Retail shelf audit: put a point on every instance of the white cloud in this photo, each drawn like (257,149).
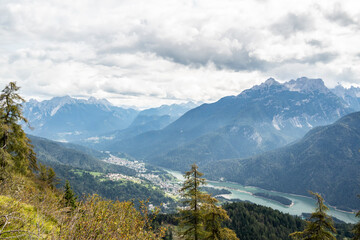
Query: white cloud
(146,53)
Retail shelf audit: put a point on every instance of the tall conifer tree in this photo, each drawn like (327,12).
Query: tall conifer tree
(69,197)
(201,218)
(357,227)
(191,218)
(320,225)
(16,153)
(213,217)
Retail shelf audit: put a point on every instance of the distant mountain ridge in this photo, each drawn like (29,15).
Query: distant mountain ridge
(69,119)
(350,95)
(325,160)
(90,121)
(264,117)
(147,120)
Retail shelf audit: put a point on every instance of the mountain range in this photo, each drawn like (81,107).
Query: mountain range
(269,136)
(70,119)
(350,95)
(89,121)
(146,120)
(325,160)
(259,119)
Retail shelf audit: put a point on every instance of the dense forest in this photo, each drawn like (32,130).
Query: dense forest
(251,222)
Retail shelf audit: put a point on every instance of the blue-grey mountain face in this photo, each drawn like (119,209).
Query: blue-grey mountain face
(69,119)
(264,117)
(325,160)
(147,120)
(350,95)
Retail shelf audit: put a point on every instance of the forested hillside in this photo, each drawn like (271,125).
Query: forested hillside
(251,221)
(50,152)
(86,173)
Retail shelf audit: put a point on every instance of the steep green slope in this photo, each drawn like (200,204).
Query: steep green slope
(51,152)
(326,160)
(74,165)
(84,182)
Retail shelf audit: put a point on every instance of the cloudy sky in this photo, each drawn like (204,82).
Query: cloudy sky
(150,52)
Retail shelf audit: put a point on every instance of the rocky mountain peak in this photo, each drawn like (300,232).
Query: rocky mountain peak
(102,101)
(305,84)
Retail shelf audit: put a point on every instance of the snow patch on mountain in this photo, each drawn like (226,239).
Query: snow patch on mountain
(276,122)
(257,138)
(99,139)
(296,122)
(234,129)
(53,112)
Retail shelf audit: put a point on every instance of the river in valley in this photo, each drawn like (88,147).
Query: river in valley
(301,204)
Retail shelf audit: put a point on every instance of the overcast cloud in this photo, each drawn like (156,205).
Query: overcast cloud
(147,53)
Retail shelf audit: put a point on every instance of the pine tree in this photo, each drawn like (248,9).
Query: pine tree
(320,225)
(201,218)
(213,217)
(42,172)
(69,197)
(51,177)
(191,219)
(16,153)
(47,175)
(357,227)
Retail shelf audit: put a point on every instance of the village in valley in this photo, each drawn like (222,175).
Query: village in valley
(159,178)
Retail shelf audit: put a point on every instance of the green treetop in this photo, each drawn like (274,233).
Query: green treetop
(213,217)
(200,217)
(69,197)
(16,153)
(191,218)
(357,227)
(320,225)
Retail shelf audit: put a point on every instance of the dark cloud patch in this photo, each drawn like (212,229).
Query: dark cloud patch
(13,58)
(237,59)
(315,43)
(131,93)
(125,91)
(196,53)
(325,57)
(110,89)
(349,75)
(340,17)
(6,19)
(292,23)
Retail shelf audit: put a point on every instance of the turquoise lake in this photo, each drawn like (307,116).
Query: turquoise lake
(301,204)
